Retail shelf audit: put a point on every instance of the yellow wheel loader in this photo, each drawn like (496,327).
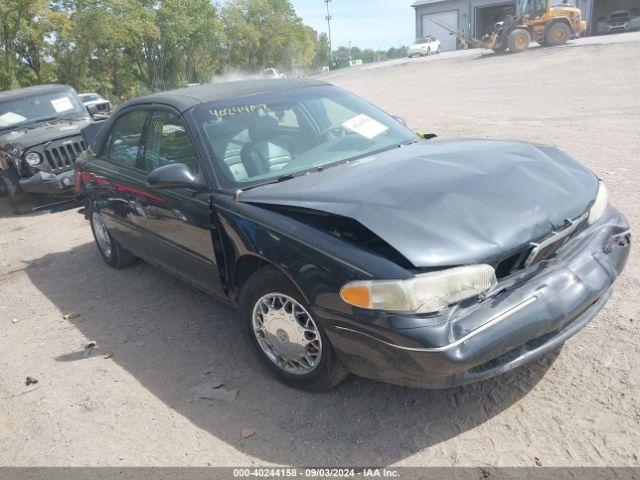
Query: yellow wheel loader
(538,20)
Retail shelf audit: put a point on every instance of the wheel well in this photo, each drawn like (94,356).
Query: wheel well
(246,266)
(553,22)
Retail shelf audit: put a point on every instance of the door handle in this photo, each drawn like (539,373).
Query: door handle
(180,215)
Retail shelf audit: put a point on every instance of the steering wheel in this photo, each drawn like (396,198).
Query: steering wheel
(334,131)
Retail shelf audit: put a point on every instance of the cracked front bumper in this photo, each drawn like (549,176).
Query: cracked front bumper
(48,183)
(526,317)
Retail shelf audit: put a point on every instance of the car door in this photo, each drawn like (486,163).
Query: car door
(175,223)
(116,178)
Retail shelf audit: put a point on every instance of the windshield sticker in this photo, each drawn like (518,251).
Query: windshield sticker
(365,126)
(229,111)
(61,104)
(10,118)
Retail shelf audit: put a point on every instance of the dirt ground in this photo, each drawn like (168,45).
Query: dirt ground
(578,407)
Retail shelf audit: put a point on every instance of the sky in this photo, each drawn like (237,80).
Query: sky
(366,23)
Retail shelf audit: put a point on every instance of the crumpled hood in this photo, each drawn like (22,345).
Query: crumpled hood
(23,138)
(447,203)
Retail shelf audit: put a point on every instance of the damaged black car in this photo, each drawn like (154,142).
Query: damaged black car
(349,243)
(40,139)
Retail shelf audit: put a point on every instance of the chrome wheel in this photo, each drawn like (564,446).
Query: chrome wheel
(102,235)
(287,334)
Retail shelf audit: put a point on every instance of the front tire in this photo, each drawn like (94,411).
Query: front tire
(288,340)
(519,40)
(21,201)
(111,251)
(557,34)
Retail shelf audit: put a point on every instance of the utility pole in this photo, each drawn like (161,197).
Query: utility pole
(328,19)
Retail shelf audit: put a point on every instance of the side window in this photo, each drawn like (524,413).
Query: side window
(124,141)
(540,7)
(168,142)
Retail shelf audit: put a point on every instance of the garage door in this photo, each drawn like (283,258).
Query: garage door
(450,18)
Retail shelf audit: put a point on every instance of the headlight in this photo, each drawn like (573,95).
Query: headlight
(598,207)
(33,158)
(428,292)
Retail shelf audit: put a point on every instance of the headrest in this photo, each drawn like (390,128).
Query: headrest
(262,128)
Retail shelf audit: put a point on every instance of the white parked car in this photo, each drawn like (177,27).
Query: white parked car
(424,46)
(272,73)
(95,103)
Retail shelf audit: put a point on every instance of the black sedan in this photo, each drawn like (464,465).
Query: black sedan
(348,242)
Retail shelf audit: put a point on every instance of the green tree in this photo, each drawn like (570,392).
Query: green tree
(123,48)
(323,55)
(266,33)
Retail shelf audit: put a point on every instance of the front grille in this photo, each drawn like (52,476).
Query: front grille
(535,252)
(513,263)
(62,154)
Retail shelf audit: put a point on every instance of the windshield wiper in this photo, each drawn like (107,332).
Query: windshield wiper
(32,123)
(280,179)
(320,168)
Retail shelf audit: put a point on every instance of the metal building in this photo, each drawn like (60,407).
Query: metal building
(473,16)
(479,16)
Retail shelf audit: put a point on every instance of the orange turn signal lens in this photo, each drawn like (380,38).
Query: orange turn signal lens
(357,295)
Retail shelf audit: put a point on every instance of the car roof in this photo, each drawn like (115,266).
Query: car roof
(29,91)
(186,98)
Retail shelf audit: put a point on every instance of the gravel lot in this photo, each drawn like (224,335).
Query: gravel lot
(574,408)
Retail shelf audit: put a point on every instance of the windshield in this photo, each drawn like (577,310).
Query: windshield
(264,137)
(40,107)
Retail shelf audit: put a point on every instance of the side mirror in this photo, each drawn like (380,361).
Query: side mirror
(175,175)
(92,109)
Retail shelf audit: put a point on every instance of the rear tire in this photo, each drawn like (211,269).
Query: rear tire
(110,250)
(22,203)
(519,40)
(328,372)
(557,34)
